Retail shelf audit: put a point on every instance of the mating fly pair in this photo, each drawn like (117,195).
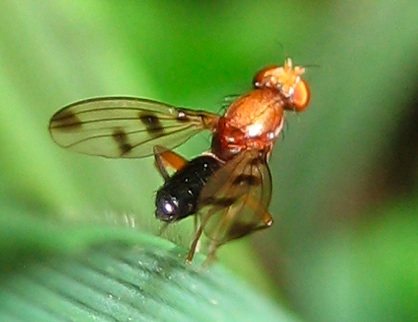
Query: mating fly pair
(229,188)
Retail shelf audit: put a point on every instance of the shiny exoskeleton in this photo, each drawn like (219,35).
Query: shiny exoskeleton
(177,198)
(230,189)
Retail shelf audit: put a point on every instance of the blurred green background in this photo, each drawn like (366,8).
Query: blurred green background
(344,246)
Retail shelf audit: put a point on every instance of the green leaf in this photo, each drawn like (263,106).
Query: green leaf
(135,277)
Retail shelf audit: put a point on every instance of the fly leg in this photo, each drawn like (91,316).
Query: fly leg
(195,242)
(166,158)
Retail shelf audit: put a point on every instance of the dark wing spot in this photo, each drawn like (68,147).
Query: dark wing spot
(257,161)
(121,139)
(182,117)
(239,230)
(246,179)
(151,122)
(65,121)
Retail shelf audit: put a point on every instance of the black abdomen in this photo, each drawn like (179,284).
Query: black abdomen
(178,197)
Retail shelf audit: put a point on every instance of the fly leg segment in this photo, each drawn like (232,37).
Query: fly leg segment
(198,233)
(194,244)
(166,158)
(196,227)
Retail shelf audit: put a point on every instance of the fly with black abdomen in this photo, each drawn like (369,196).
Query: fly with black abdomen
(229,189)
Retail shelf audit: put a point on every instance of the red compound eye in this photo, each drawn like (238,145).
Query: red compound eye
(301,96)
(286,79)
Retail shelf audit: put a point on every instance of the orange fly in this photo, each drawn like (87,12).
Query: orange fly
(232,192)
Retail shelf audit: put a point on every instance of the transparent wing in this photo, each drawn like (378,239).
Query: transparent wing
(235,200)
(125,127)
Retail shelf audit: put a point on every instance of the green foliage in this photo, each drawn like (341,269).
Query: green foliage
(345,182)
(123,275)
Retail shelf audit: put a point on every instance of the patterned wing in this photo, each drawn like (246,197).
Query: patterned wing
(235,200)
(125,127)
